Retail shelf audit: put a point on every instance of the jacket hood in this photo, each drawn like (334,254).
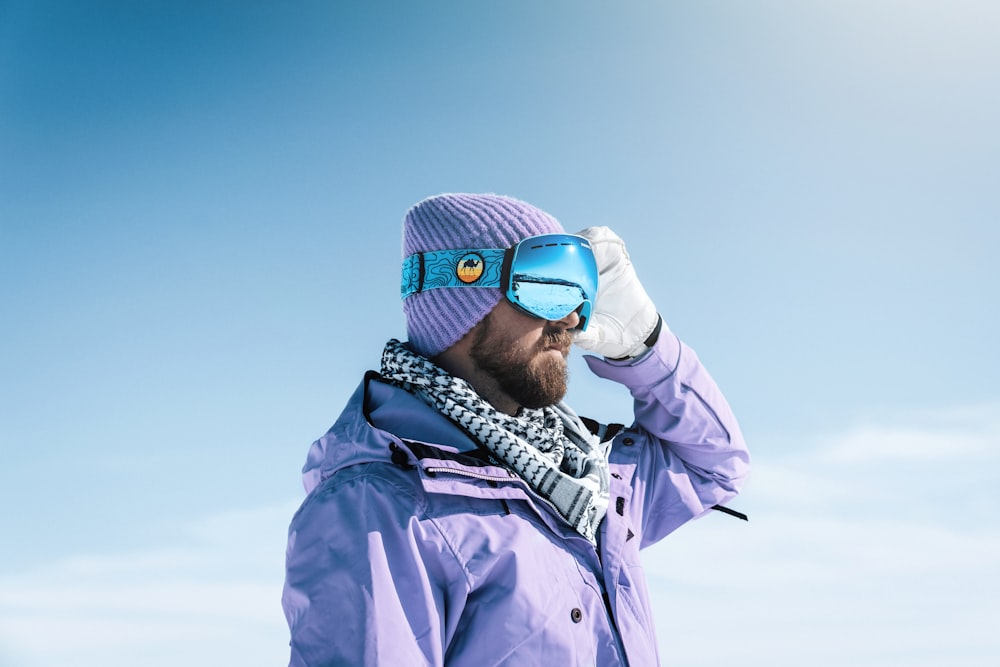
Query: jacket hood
(377,416)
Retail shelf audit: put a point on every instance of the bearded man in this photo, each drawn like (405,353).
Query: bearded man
(459,512)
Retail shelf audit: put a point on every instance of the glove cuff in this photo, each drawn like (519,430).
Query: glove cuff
(646,344)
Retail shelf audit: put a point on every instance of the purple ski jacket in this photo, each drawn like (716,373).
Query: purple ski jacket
(410,549)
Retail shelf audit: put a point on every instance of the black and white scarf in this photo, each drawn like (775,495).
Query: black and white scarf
(548,451)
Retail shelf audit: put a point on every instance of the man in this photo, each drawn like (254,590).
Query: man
(458,512)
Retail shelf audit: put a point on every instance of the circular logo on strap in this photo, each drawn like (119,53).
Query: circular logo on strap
(470,268)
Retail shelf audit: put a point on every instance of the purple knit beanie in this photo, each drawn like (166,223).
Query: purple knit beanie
(438,318)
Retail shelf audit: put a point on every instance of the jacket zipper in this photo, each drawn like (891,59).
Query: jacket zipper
(433,470)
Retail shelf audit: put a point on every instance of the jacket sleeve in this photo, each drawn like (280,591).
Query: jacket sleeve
(367,580)
(693,454)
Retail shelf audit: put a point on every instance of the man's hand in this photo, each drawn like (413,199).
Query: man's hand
(624,316)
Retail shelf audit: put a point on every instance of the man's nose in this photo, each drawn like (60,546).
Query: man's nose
(571,321)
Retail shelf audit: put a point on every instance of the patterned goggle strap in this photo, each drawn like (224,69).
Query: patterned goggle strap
(452,268)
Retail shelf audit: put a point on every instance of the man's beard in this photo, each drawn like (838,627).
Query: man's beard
(530,378)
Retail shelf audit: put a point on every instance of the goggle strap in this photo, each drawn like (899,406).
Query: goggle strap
(427,270)
(413,275)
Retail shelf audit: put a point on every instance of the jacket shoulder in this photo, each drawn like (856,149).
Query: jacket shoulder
(364,482)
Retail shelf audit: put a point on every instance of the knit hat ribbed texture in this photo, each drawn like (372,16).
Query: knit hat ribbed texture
(438,318)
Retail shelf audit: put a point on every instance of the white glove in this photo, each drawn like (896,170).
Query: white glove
(624,316)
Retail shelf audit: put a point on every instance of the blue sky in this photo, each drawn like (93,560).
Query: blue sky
(200,206)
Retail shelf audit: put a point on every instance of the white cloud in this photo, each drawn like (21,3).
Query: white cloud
(889,555)
(940,436)
(874,443)
(213,601)
(825,592)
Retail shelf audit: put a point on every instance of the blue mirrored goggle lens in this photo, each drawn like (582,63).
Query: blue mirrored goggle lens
(547,300)
(552,275)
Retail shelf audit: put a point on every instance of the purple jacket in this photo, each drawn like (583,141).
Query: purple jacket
(409,550)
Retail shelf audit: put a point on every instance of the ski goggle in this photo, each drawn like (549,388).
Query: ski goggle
(547,276)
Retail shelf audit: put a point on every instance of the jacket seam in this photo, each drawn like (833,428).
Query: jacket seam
(455,553)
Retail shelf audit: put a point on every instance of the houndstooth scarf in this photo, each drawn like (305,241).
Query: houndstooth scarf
(561,464)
